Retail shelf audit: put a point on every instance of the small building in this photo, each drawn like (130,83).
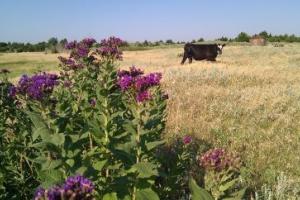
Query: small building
(258,40)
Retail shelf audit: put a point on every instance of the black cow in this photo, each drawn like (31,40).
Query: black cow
(201,52)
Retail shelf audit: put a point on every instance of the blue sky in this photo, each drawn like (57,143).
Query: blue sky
(138,20)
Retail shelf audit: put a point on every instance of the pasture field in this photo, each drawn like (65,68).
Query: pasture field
(247,101)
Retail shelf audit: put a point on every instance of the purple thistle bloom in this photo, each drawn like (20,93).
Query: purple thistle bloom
(218,159)
(134,72)
(82,51)
(37,86)
(143,96)
(12,91)
(88,41)
(75,187)
(39,194)
(71,45)
(187,139)
(78,183)
(144,82)
(55,193)
(125,82)
(110,48)
(70,63)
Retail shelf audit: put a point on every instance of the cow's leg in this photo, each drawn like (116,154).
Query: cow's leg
(190,60)
(184,58)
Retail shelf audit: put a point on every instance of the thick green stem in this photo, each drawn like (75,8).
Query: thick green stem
(138,146)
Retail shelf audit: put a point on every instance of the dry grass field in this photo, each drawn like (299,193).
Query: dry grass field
(248,101)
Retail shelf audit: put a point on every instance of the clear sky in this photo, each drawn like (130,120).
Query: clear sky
(137,20)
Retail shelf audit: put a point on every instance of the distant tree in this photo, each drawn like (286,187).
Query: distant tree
(146,43)
(264,34)
(4,47)
(169,41)
(224,39)
(242,37)
(200,40)
(63,42)
(193,41)
(52,41)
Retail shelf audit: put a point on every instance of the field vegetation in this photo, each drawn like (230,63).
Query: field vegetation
(248,102)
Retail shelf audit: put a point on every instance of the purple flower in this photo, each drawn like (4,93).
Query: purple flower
(138,83)
(70,63)
(88,41)
(125,82)
(143,96)
(218,159)
(187,139)
(134,72)
(109,48)
(39,193)
(38,86)
(55,193)
(75,187)
(12,91)
(71,45)
(79,183)
(82,51)
(144,82)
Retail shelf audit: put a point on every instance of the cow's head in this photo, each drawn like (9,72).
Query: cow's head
(220,48)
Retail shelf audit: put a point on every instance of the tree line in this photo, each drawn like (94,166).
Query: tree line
(53,45)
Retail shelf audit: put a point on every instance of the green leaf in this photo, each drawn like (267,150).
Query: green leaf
(99,164)
(110,196)
(146,194)
(237,196)
(228,185)
(145,169)
(58,139)
(129,127)
(152,145)
(197,192)
(50,177)
(70,162)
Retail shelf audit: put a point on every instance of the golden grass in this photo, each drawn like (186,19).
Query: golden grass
(248,101)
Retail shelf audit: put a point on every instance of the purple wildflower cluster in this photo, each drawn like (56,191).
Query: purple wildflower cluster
(109,48)
(75,188)
(78,50)
(35,87)
(218,159)
(70,63)
(135,80)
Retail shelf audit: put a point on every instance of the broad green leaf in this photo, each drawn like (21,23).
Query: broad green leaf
(70,162)
(58,139)
(145,169)
(50,177)
(152,145)
(197,192)
(99,164)
(146,194)
(110,196)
